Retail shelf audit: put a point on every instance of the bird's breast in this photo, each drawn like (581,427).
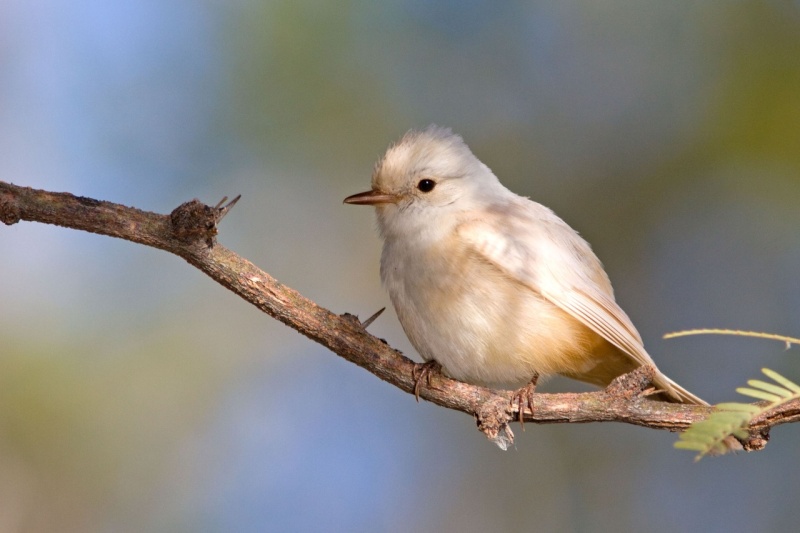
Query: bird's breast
(480,324)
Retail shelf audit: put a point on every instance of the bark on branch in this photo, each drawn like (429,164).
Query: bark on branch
(190,232)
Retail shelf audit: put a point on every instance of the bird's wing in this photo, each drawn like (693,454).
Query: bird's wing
(543,253)
(552,260)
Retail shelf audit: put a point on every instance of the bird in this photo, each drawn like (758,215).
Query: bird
(492,286)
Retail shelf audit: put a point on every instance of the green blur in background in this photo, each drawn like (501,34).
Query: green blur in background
(135,394)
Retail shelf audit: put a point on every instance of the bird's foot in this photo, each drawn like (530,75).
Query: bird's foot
(524,397)
(423,371)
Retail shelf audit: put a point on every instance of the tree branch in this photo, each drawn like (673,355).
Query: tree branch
(190,232)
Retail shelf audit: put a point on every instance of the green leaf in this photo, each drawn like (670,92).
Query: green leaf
(748,408)
(741,433)
(794,387)
(733,418)
(691,445)
(769,387)
(761,395)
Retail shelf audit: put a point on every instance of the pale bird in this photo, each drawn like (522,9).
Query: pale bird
(493,286)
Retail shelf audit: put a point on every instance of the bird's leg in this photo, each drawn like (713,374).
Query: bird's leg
(524,396)
(423,371)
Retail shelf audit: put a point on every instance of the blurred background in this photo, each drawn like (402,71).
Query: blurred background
(136,394)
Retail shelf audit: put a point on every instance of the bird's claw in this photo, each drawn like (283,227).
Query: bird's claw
(422,372)
(524,397)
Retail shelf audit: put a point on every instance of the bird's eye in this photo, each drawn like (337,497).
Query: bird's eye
(426,185)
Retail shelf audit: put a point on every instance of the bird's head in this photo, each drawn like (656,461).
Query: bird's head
(424,179)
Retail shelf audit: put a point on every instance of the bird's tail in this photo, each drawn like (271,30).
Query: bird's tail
(675,393)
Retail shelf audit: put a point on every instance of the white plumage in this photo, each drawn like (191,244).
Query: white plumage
(493,286)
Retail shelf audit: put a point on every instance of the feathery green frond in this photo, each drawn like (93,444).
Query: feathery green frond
(790,385)
(708,436)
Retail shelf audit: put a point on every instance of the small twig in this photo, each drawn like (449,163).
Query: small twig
(222,211)
(736,332)
(371,319)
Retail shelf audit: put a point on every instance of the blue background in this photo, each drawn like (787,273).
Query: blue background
(135,394)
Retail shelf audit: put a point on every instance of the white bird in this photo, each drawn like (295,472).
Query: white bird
(491,285)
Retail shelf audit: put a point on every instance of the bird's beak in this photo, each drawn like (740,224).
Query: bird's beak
(372,197)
